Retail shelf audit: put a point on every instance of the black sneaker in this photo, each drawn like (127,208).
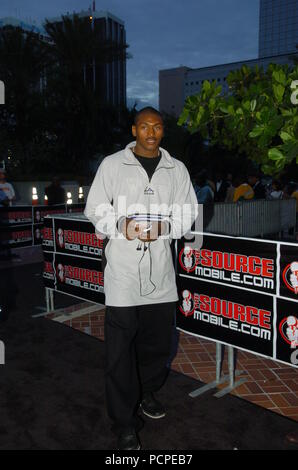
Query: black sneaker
(128,440)
(151,407)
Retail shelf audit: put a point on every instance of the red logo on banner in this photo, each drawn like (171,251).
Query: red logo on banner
(288,329)
(290,276)
(48,267)
(188,304)
(60,272)
(60,237)
(188,259)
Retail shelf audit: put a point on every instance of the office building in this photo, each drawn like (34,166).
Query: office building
(175,85)
(278,27)
(278,36)
(110,78)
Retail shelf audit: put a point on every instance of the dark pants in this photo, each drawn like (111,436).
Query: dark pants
(138,345)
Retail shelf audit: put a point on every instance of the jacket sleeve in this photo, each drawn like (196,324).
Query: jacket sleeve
(185,208)
(99,207)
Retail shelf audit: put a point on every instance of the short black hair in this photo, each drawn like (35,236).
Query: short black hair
(147,109)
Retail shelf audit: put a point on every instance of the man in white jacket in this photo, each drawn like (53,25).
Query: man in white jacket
(141,198)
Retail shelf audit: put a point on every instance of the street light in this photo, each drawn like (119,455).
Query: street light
(69,198)
(34,197)
(81,194)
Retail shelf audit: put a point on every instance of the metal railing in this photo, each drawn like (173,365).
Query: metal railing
(253,218)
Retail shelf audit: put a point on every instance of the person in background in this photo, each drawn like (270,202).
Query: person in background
(3,199)
(55,193)
(211,184)
(243,191)
(295,196)
(204,193)
(221,187)
(276,190)
(6,187)
(229,178)
(254,181)
(289,189)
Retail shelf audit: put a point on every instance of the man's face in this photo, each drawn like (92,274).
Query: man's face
(149,131)
(2,176)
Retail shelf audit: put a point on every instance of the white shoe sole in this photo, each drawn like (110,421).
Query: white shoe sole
(151,416)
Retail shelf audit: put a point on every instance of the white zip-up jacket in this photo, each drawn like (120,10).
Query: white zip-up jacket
(139,273)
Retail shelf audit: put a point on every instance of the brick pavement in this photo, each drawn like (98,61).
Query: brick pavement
(269,384)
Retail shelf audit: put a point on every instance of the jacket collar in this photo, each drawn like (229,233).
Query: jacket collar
(166,160)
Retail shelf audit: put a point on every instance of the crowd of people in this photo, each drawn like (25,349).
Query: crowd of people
(229,188)
(221,188)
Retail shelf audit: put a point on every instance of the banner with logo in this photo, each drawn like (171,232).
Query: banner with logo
(226,315)
(229,261)
(15,215)
(241,292)
(15,236)
(73,258)
(237,291)
(80,277)
(77,237)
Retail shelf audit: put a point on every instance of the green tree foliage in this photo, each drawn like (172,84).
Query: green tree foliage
(257,117)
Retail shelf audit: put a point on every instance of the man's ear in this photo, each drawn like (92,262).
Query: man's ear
(134,130)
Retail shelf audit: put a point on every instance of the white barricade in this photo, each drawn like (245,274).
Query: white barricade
(253,218)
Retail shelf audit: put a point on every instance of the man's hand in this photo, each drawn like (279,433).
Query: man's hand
(144,231)
(152,231)
(130,229)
